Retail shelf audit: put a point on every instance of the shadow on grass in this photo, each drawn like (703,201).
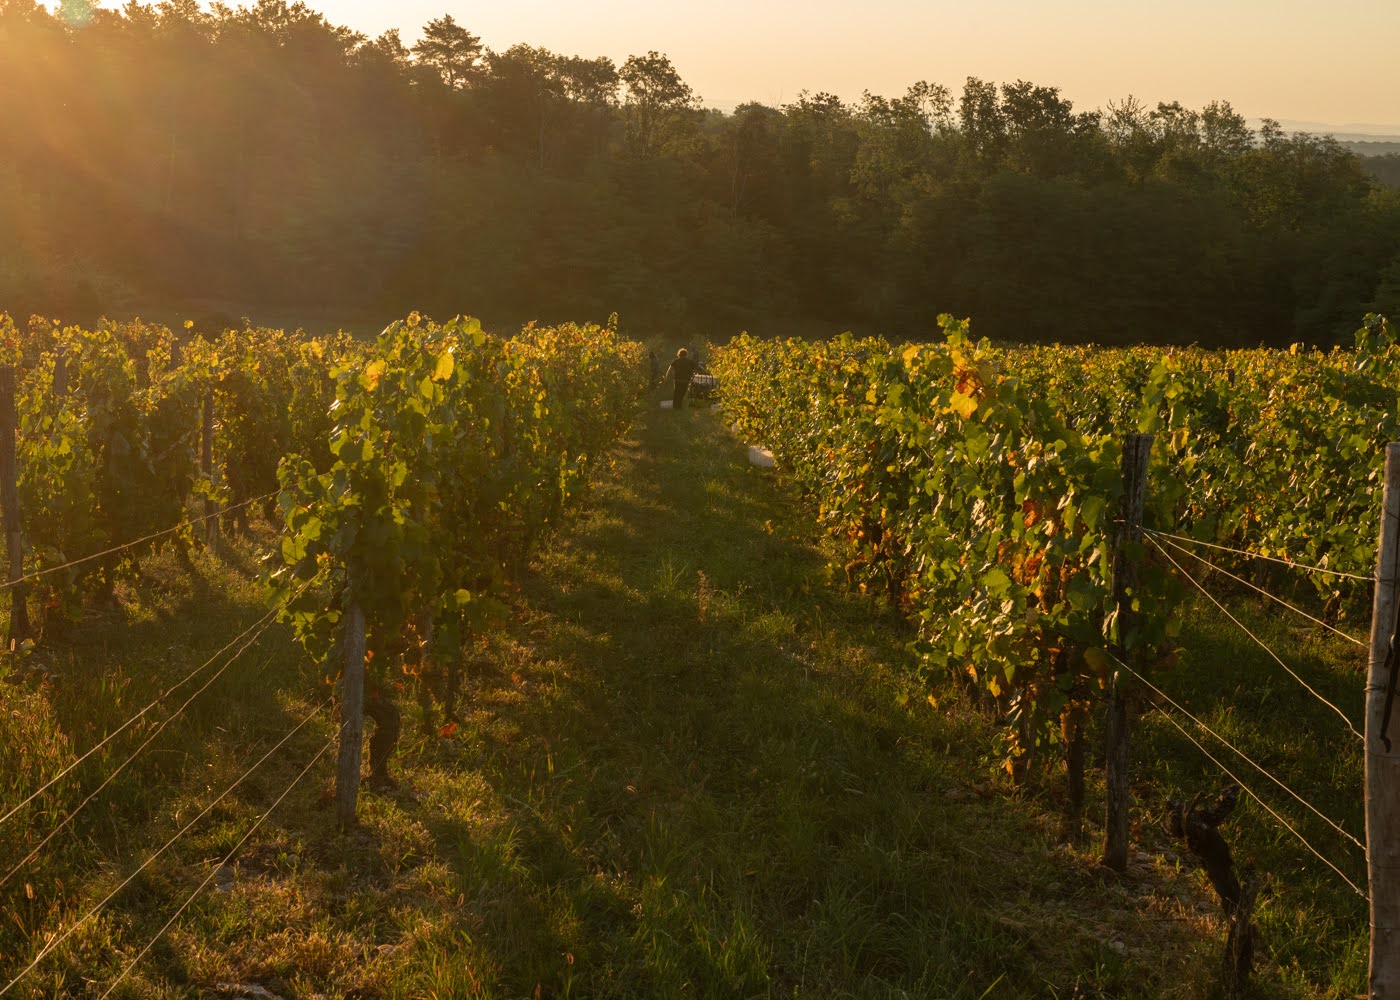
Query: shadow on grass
(709,786)
(694,768)
(102,671)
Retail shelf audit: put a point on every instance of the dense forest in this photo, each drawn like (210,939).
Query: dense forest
(250,159)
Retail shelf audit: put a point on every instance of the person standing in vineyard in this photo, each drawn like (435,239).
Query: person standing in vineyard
(681,369)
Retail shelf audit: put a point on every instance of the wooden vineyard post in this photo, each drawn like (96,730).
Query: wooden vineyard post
(352,718)
(1137,451)
(206,465)
(60,377)
(1383,749)
(9,500)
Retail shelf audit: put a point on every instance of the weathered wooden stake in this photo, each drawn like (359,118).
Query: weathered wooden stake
(1137,451)
(1072,723)
(1383,762)
(9,500)
(352,718)
(206,465)
(60,377)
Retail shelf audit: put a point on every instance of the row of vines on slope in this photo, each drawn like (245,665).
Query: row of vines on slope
(452,451)
(980,486)
(429,462)
(970,499)
(109,435)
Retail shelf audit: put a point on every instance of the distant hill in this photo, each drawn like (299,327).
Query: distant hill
(1363,139)
(1348,132)
(1389,147)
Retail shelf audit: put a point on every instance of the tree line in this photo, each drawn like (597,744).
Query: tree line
(265,158)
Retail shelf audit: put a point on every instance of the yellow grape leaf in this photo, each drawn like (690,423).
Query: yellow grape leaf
(911,352)
(963,405)
(374,373)
(446,364)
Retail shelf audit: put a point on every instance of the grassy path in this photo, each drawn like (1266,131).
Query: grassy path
(693,777)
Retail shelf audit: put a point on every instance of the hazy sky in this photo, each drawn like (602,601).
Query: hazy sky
(1327,61)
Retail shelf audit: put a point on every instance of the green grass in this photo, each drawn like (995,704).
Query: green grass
(689,765)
